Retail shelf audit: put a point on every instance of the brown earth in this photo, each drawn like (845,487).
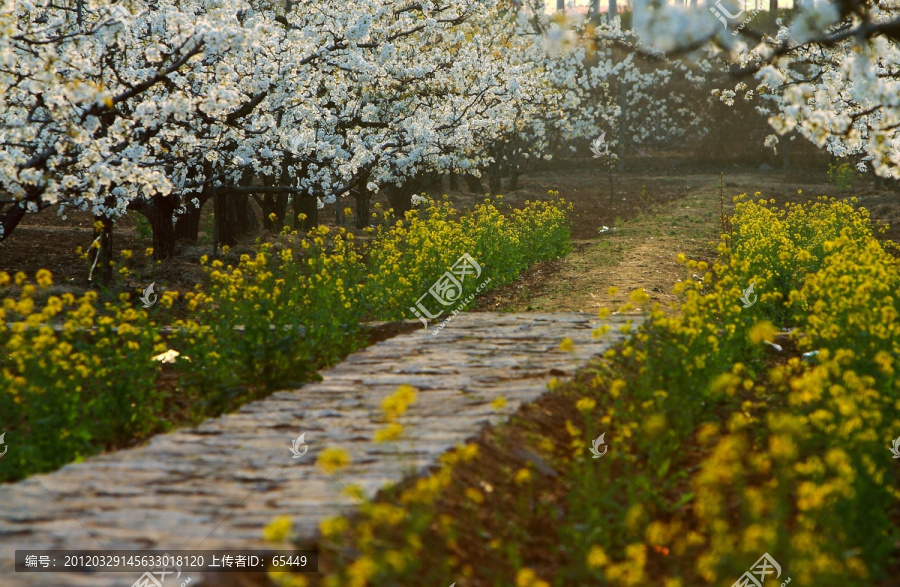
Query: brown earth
(680,215)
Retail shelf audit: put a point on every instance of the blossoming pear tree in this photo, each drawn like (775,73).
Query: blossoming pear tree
(830,74)
(159,107)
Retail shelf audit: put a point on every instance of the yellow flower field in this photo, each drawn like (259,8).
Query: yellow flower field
(725,447)
(269,320)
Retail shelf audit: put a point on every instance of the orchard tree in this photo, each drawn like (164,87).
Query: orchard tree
(830,75)
(161,107)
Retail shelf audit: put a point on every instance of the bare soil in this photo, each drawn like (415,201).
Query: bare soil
(679,213)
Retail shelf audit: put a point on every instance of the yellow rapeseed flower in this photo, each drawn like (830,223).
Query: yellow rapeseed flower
(391,432)
(332,459)
(332,527)
(585,404)
(762,331)
(522,476)
(596,557)
(528,578)
(278,529)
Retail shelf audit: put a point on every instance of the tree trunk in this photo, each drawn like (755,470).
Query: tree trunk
(514,178)
(453,181)
(613,10)
(244,217)
(187,225)
(234,218)
(494,184)
(308,206)
(363,214)
(474,184)
(9,219)
(225,225)
(272,204)
(494,173)
(163,230)
(400,199)
(434,183)
(101,267)
(279,202)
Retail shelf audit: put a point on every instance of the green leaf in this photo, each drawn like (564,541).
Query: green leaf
(664,468)
(684,499)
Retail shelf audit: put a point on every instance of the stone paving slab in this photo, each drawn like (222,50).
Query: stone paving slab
(215,486)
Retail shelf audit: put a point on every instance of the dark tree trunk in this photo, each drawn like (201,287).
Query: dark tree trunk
(272,204)
(400,199)
(513,177)
(276,203)
(187,225)
(613,10)
(308,206)
(163,229)
(494,172)
(280,205)
(101,267)
(453,181)
(9,219)
(234,218)
(225,225)
(244,217)
(494,184)
(363,214)
(474,184)
(436,183)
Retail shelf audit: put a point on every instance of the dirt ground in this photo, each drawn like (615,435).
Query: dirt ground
(679,214)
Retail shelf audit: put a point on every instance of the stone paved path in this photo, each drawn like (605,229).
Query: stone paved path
(216,485)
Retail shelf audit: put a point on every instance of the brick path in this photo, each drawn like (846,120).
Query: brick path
(215,486)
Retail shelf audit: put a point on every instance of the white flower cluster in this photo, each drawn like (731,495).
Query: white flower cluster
(831,75)
(164,97)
